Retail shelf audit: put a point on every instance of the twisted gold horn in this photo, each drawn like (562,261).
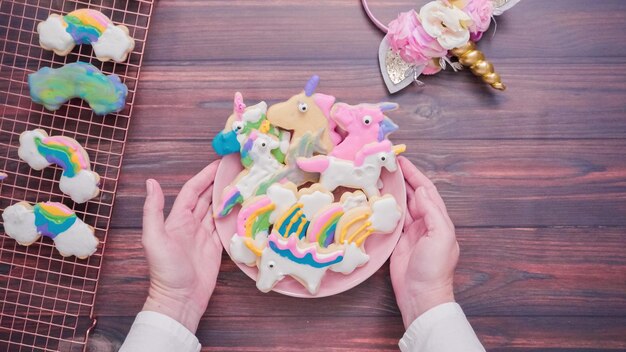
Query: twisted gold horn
(470,57)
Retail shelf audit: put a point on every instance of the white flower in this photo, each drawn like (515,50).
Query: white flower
(448,24)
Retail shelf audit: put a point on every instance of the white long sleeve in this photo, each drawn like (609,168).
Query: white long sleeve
(156,332)
(443,328)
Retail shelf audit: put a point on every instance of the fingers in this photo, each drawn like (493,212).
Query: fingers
(416,179)
(208,223)
(153,219)
(204,202)
(188,196)
(425,208)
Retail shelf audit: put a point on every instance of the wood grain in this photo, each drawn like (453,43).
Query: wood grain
(534,177)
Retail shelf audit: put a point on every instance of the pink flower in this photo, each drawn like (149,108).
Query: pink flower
(408,38)
(480,11)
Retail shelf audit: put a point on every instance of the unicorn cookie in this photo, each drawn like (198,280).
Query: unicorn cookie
(363,124)
(52,87)
(307,112)
(77,180)
(334,240)
(86,26)
(241,123)
(362,173)
(258,148)
(71,236)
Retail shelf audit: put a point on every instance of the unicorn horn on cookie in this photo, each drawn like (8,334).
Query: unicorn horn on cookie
(71,236)
(40,151)
(307,113)
(86,26)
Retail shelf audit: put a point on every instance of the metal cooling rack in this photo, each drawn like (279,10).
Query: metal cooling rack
(47,301)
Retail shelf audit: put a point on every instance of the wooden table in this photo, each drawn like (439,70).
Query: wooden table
(534,177)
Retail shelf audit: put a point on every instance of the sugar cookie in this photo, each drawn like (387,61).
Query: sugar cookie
(307,112)
(86,26)
(71,236)
(363,124)
(77,180)
(241,123)
(52,87)
(362,173)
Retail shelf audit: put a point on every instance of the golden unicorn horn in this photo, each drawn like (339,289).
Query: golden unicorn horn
(470,57)
(400,148)
(265,127)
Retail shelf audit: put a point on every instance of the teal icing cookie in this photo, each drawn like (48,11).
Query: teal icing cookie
(53,87)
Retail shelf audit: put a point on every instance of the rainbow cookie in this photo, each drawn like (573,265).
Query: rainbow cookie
(289,210)
(362,173)
(86,26)
(77,180)
(71,236)
(53,87)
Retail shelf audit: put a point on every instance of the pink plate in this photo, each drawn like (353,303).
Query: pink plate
(378,247)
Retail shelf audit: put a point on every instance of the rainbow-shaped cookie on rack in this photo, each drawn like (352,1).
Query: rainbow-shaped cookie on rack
(86,26)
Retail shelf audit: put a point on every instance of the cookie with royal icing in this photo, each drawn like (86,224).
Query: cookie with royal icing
(52,87)
(362,173)
(86,26)
(40,151)
(71,236)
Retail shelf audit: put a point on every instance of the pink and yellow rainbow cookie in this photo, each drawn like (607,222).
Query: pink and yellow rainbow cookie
(71,236)
(40,150)
(86,26)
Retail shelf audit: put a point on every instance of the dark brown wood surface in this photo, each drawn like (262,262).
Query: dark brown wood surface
(534,177)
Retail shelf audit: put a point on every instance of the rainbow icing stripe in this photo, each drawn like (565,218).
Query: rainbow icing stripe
(293,222)
(323,230)
(231,199)
(255,218)
(52,219)
(86,25)
(65,152)
(308,256)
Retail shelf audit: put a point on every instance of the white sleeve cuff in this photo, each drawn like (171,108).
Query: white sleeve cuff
(156,332)
(443,328)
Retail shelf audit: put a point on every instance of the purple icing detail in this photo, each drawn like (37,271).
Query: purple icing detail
(310,86)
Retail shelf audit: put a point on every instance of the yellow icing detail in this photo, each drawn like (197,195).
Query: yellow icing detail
(359,230)
(400,148)
(254,249)
(342,234)
(299,230)
(265,127)
(54,211)
(250,220)
(367,234)
(280,221)
(293,220)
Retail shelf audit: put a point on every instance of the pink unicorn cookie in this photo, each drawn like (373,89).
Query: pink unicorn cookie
(362,173)
(307,112)
(363,124)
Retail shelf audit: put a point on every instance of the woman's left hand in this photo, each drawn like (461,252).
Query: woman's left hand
(184,252)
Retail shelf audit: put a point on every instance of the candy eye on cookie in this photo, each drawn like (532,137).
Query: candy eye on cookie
(237,126)
(303,107)
(271,265)
(367,119)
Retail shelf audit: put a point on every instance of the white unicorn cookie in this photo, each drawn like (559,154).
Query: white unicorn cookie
(77,180)
(362,173)
(334,240)
(86,26)
(71,236)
